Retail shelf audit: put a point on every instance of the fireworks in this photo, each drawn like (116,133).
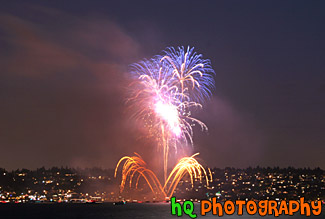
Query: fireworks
(186,165)
(135,168)
(166,88)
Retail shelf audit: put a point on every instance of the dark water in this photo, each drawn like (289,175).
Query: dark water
(108,210)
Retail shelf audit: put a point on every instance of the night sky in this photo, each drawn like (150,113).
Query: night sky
(63,77)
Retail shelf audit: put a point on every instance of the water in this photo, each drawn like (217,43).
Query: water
(108,210)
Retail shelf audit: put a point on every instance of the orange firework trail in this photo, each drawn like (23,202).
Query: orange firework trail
(135,167)
(186,165)
(165,90)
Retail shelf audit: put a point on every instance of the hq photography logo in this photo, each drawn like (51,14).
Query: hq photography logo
(261,208)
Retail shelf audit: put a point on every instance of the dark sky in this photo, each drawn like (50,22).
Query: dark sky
(63,76)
